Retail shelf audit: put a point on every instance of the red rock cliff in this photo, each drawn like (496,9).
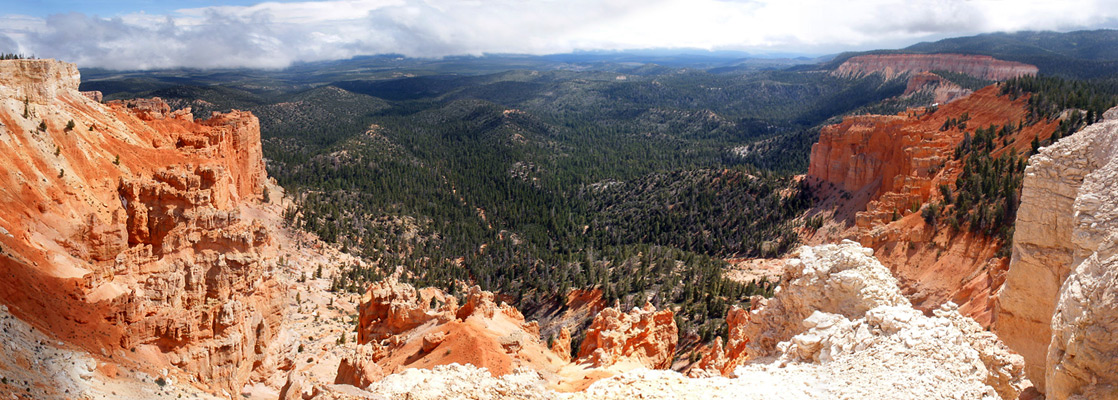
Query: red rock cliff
(889,166)
(123,228)
(894,65)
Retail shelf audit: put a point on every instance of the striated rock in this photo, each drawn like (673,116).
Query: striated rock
(39,82)
(862,153)
(894,65)
(889,162)
(1063,230)
(127,234)
(1081,361)
(643,336)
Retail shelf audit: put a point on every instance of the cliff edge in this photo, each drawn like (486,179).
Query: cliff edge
(1057,306)
(895,65)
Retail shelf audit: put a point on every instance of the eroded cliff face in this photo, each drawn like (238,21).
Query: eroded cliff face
(894,65)
(1057,307)
(879,171)
(125,227)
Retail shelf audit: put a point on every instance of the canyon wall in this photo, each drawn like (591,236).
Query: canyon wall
(124,227)
(895,65)
(880,170)
(1056,307)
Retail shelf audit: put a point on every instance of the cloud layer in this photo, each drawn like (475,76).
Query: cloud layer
(273,35)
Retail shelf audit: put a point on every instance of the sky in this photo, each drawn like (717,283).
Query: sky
(152,34)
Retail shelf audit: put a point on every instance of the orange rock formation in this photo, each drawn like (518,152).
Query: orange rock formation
(895,65)
(887,167)
(399,329)
(562,345)
(124,228)
(643,336)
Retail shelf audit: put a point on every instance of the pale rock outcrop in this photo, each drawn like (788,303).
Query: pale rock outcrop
(359,368)
(839,313)
(1006,369)
(644,336)
(293,388)
(1068,211)
(844,280)
(1081,359)
(454,381)
(38,81)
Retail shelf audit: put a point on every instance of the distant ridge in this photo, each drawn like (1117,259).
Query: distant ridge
(1078,55)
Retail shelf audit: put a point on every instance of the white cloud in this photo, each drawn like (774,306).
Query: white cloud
(273,35)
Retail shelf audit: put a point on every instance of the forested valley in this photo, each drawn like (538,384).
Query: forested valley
(532,181)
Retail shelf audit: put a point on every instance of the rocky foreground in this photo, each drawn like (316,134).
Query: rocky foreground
(838,328)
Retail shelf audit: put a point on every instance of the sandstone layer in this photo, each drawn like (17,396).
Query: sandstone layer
(894,65)
(1057,305)
(880,170)
(124,228)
